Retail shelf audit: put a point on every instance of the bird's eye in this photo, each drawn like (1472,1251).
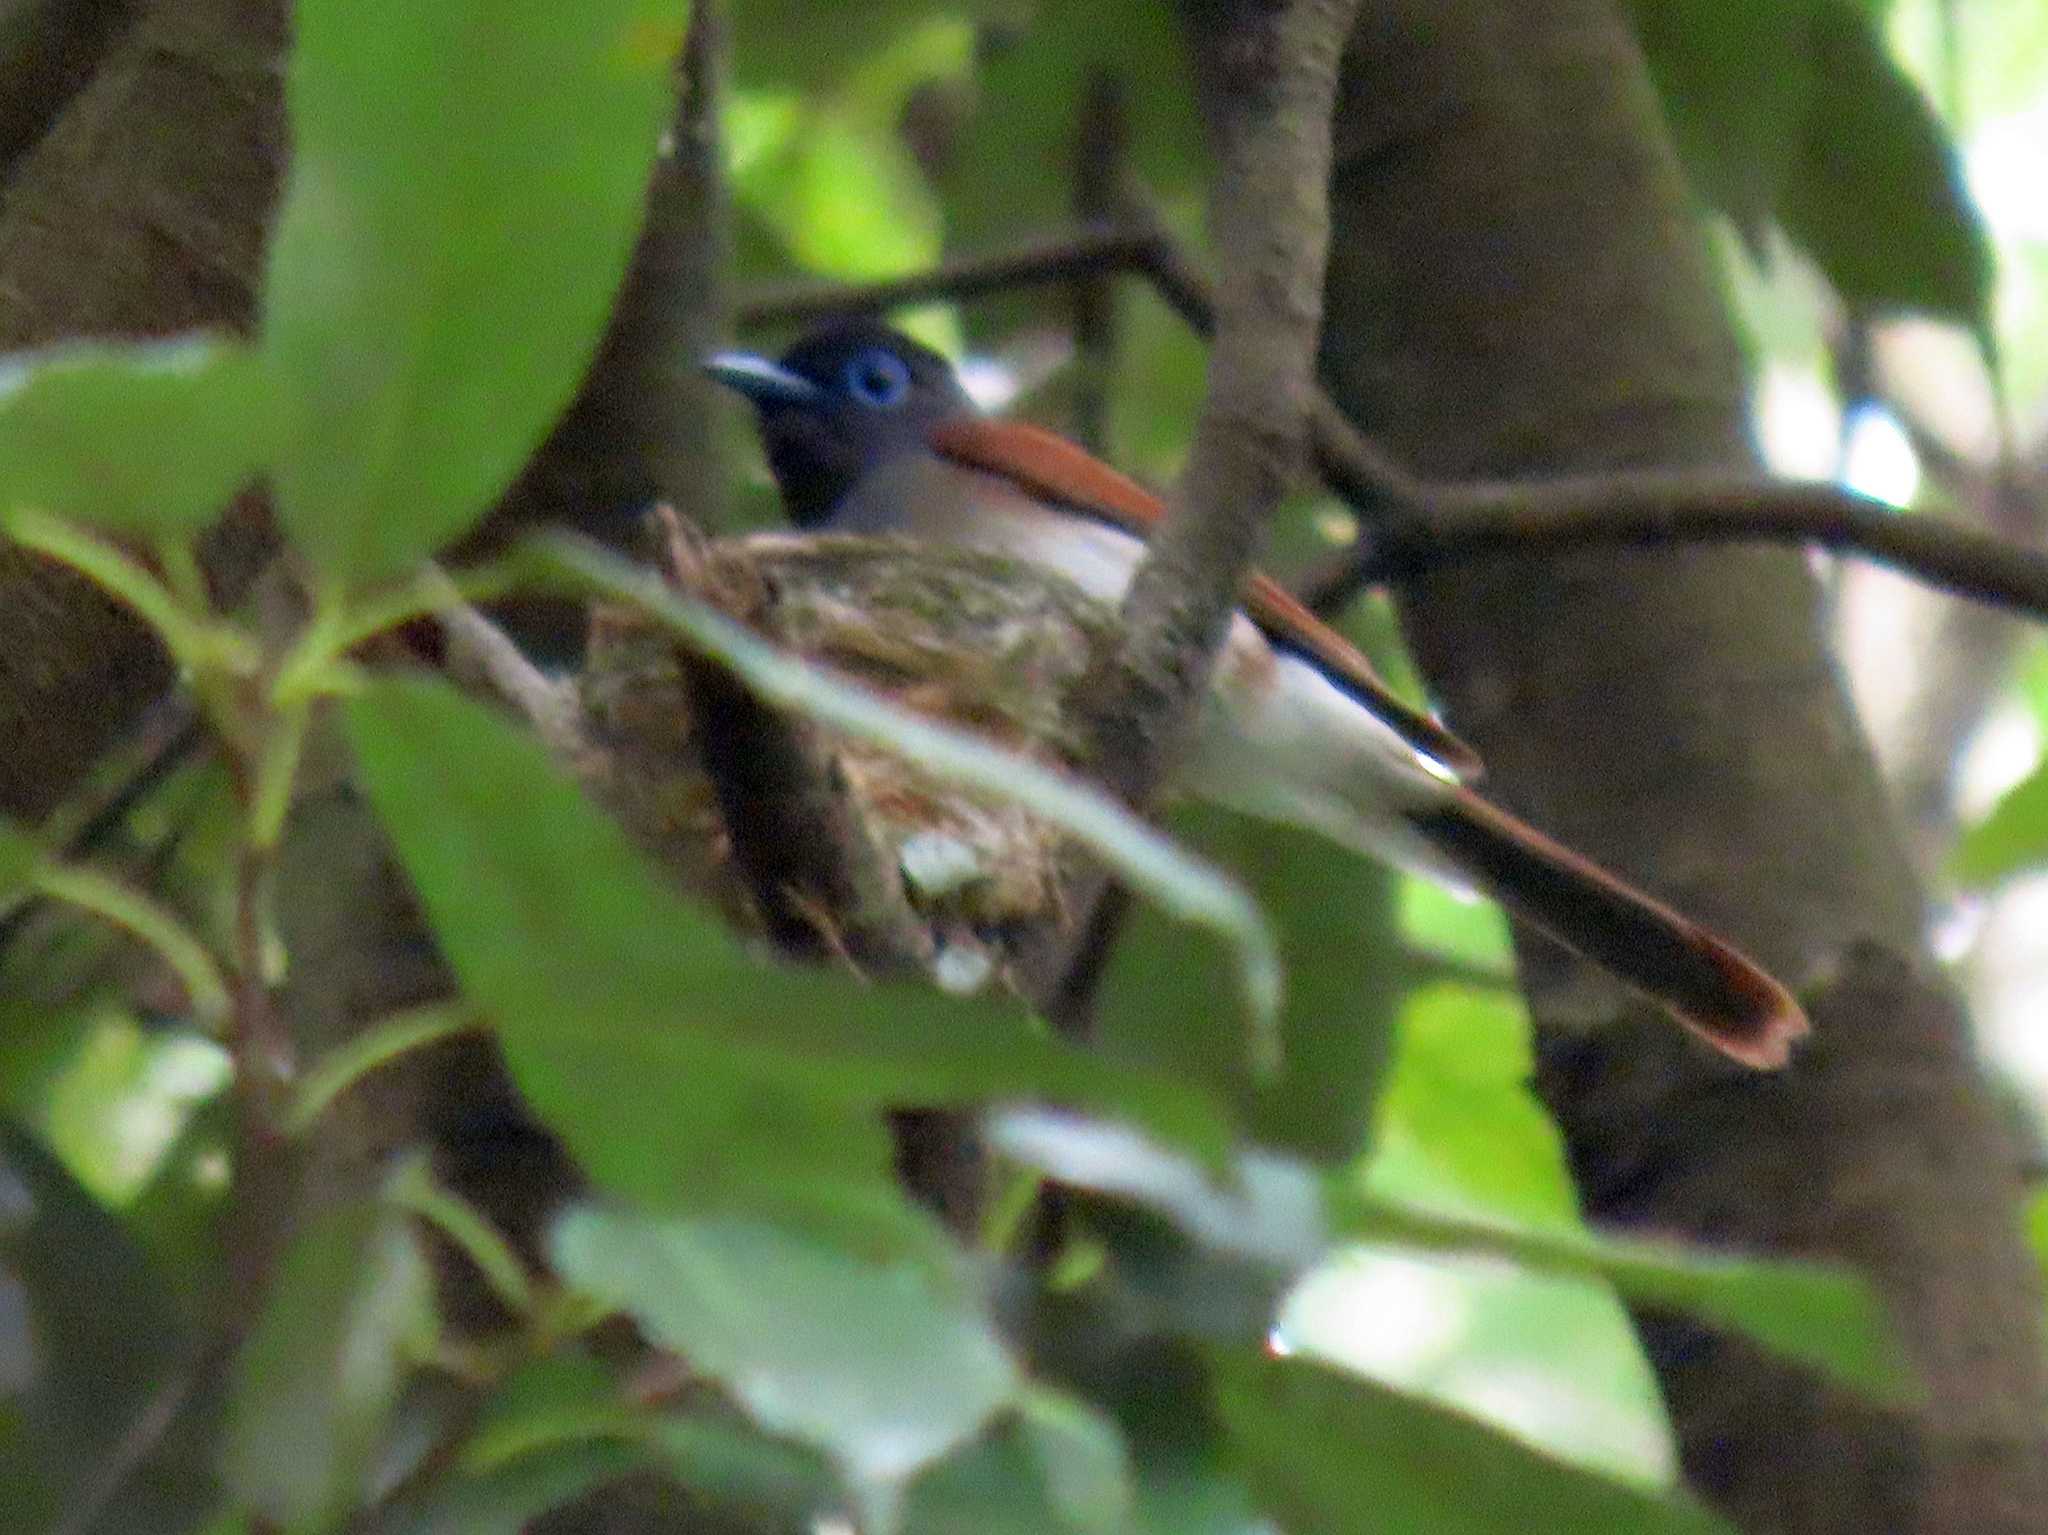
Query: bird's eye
(878,378)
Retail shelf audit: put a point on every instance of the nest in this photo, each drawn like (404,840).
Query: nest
(986,643)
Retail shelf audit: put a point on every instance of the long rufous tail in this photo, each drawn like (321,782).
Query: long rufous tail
(1708,985)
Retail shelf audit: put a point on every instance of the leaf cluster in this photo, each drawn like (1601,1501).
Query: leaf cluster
(464,192)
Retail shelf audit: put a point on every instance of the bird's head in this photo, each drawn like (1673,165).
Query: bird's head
(843,401)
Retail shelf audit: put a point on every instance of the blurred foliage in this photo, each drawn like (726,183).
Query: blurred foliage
(1394,1201)
(1795,114)
(2013,836)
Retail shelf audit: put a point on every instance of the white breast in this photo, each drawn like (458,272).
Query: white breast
(1276,739)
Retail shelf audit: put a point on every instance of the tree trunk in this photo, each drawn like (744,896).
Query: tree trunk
(140,212)
(1519,287)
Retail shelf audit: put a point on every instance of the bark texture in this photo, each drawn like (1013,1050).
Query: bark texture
(1519,289)
(140,212)
(1267,76)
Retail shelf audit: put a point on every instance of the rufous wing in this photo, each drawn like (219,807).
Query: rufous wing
(1054,469)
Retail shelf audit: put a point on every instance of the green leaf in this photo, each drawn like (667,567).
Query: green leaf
(1824,1317)
(1875,194)
(2014,836)
(1056,1466)
(630,1018)
(507,1499)
(1456,929)
(557,1404)
(1180,1494)
(722,1458)
(1457,1115)
(1265,1207)
(549,1401)
(1736,78)
(832,173)
(314,1385)
(1282,1214)
(466,182)
(878,1365)
(1031,81)
(152,439)
(1794,110)
(1082,1458)
(1548,1356)
(623,1012)
(1159,1001)
(1147,862)
(1329,1451)
(568,1410)
(794,42)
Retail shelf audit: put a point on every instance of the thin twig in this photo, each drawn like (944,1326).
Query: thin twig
(1412,525)
(1058,258)
(482,659)
(169,735)
(1267,74)
(1101,148)
(265,1164)
(1651,510)
(143,1437)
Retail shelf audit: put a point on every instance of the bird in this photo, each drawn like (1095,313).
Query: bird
(867,431)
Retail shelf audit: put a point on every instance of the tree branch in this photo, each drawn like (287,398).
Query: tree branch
(1412,525)
(1269,75)
(1062,258)
(1101,155)
(1457,525)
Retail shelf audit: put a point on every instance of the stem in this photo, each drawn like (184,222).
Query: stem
(196,643)
(376,1046)
(277,770)
(313,665)
(413,1188)
(266,1164)
(134,912)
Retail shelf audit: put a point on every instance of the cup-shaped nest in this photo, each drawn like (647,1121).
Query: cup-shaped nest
(990,644)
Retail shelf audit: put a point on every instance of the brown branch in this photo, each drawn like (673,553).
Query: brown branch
(1101,153)
(1414,526)
(1061,258)
(1466,523)
(1268,76)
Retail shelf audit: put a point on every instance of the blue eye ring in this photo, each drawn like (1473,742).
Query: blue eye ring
(879,379)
